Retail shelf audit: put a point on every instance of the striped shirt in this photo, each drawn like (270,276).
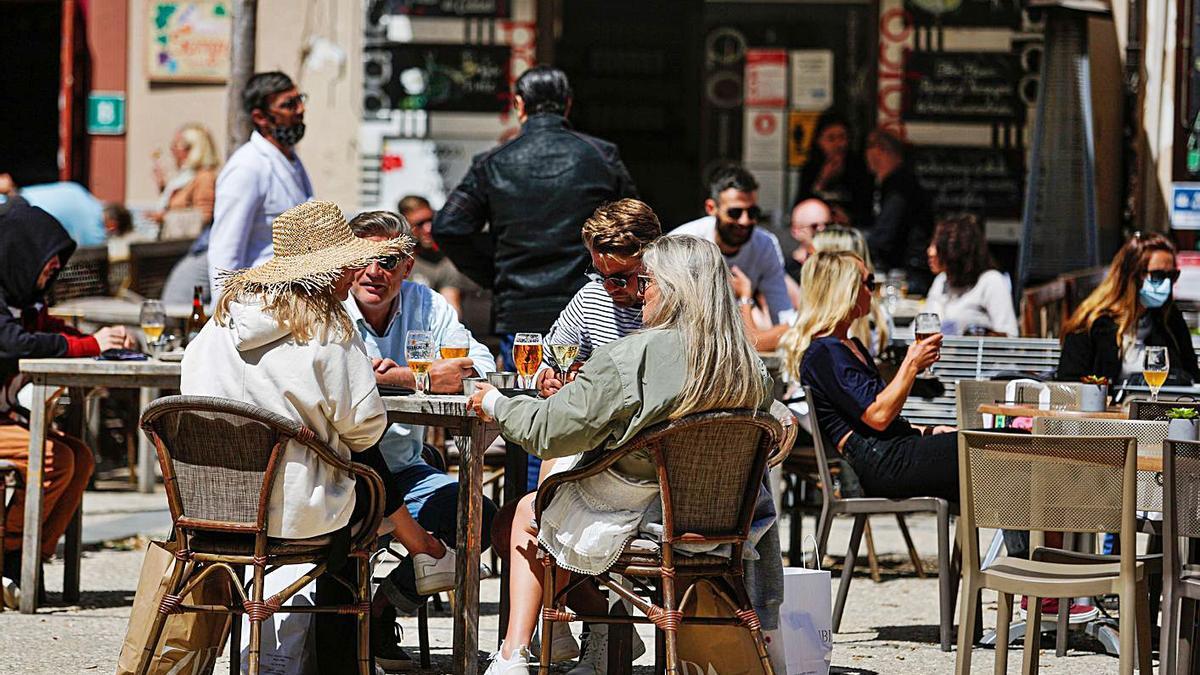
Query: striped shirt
(596,319)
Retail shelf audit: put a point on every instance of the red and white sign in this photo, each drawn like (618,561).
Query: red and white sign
(766,78)
(763,142)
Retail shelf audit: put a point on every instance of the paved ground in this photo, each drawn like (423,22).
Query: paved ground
(889,627)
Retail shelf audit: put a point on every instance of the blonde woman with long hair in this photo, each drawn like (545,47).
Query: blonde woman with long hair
(858,411)
(1133,308)
(694,345)
(875,328)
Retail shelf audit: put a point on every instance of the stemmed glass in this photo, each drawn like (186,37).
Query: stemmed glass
(564,350)
(527,355)
(1155,366)
(154,321)
(926,325)
(419,350)
(457,344)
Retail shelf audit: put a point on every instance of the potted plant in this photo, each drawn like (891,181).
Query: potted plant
(1183,424)
(1093,397)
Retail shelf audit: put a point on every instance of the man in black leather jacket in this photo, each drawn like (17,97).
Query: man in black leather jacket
(534,192)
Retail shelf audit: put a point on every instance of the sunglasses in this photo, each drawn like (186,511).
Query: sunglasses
(388,262)
(610,281)
(644,282)
(1159,276)
(870,283)
(293,103)
(735,212)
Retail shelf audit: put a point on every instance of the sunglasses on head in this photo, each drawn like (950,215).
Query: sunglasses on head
(1159,276)
(869,282)
(735,212)
(609,281)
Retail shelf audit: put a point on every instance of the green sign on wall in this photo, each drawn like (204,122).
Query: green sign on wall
(106,113)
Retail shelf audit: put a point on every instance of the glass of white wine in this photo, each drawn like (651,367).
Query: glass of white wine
(564,350)
(926,325)
(1155,367)
(527,356)
(419,351)
(154,321)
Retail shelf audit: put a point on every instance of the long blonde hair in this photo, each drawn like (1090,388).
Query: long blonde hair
(851,239)
(829,284)
(306,313)
(1116,296)
(202,151)
(695,299)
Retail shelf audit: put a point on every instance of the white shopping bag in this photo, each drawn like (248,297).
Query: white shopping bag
(806,618)
(288,640)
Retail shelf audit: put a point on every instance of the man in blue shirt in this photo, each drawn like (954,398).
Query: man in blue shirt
(384,308)
(79,212)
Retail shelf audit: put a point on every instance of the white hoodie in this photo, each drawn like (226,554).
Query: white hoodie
(327,386)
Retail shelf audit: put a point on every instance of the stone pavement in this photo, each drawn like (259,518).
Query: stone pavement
(889,627)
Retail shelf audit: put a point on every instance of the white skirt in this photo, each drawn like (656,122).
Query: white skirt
(589,521)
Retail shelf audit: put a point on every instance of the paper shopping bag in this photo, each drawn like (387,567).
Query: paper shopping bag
(714,650)
(806,621)
(190,642)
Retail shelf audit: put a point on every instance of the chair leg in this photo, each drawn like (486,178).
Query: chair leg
(672,647)
(255,647)
(1170,626)
(760,645)
(1004,607)
(856,534)
(1143,628)
(1033,637)
(824,525)
(946,579)
(423,633)
(364,615)
(1127,628)
(966,623)
(872,560)
(547,624)
(1184,632)
(913,556)
(235,645)
(1062,626)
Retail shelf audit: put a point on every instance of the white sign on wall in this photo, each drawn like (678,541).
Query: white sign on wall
(812,79)
(763,143)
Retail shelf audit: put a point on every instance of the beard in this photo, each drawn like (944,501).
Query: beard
(732,234)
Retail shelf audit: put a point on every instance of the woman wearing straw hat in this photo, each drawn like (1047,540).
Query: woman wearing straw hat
(281,340)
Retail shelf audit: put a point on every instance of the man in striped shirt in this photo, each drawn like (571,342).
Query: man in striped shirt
(609,306)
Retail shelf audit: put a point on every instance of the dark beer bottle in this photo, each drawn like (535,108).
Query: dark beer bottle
(196,321)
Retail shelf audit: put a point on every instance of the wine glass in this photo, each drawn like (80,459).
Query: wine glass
(527,355)
(564,350)
(154,321)
(926,325)
(1155,366)
(457,344)
(419,350)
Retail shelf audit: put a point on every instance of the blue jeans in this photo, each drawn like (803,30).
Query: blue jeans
(535,464)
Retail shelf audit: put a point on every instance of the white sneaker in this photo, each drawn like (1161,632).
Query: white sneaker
(434,575)
(595,653)
(563,647)
(517,664)
(12,597)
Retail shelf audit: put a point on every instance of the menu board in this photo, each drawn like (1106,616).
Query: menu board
(188,41)
(962,87)
(496,9)
(468,78)
(998,13)
(988,181)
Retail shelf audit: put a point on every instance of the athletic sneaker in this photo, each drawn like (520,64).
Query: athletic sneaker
(434,575)
(12,597)
(386,636)
(517,664)
(564,646)
(1079,613)
(595,651)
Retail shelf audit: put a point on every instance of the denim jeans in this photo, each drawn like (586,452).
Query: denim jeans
(906,466)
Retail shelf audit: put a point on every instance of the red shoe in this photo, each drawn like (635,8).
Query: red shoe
(1079,613)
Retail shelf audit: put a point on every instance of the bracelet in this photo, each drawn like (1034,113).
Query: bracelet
(745,301)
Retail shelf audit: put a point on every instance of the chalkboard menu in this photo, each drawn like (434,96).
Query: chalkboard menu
(988,181)
(962,87)
(468,78)
(496,9)
(999,13)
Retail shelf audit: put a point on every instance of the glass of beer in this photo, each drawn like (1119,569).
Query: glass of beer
(1155,366)
(457,344)
(564,350)
(527,355)
(926,325)
(419,350)
(154,321)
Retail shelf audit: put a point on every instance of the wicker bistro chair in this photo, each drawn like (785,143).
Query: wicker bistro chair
(1181,575)
(8,472)
(834,504)
(219,460)
(710,466)
(1016,482)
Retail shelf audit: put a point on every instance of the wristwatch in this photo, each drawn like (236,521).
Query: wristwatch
(745,301)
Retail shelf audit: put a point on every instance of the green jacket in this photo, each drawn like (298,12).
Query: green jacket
(626,386)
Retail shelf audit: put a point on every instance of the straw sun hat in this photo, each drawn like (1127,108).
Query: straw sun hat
(313,243)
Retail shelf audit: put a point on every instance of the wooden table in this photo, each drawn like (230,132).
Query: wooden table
(47,375)
(1025,410)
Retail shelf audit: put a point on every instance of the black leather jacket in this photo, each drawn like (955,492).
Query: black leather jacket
(535,192)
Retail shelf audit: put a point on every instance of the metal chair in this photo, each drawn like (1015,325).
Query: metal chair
(834,504)
(1017,482)
(85,274)
(151,262)
(1181,575)
(1142,409)
(710,467)
(974,393)
(219,460)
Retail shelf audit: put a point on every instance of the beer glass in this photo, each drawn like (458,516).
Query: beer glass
(419,350)
(154,321)
(457,344)
(926,325)
(527,355)
(1155,366)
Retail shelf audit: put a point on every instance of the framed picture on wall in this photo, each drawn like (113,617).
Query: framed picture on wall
(188,40)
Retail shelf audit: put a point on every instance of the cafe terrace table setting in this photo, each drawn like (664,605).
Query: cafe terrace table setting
(472,434)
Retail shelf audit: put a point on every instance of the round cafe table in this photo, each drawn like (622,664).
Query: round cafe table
(1025,410)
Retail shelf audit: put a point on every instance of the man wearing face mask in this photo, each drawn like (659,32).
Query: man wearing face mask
(262,179)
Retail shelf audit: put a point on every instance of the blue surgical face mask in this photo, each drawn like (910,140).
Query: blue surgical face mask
(1154,294)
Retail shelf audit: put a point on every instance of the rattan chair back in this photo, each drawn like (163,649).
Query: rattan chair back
(1149,435)
(1142,409)
(85,274)
(974,393)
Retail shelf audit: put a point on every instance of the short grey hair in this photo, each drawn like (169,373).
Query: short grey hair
(380,224)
